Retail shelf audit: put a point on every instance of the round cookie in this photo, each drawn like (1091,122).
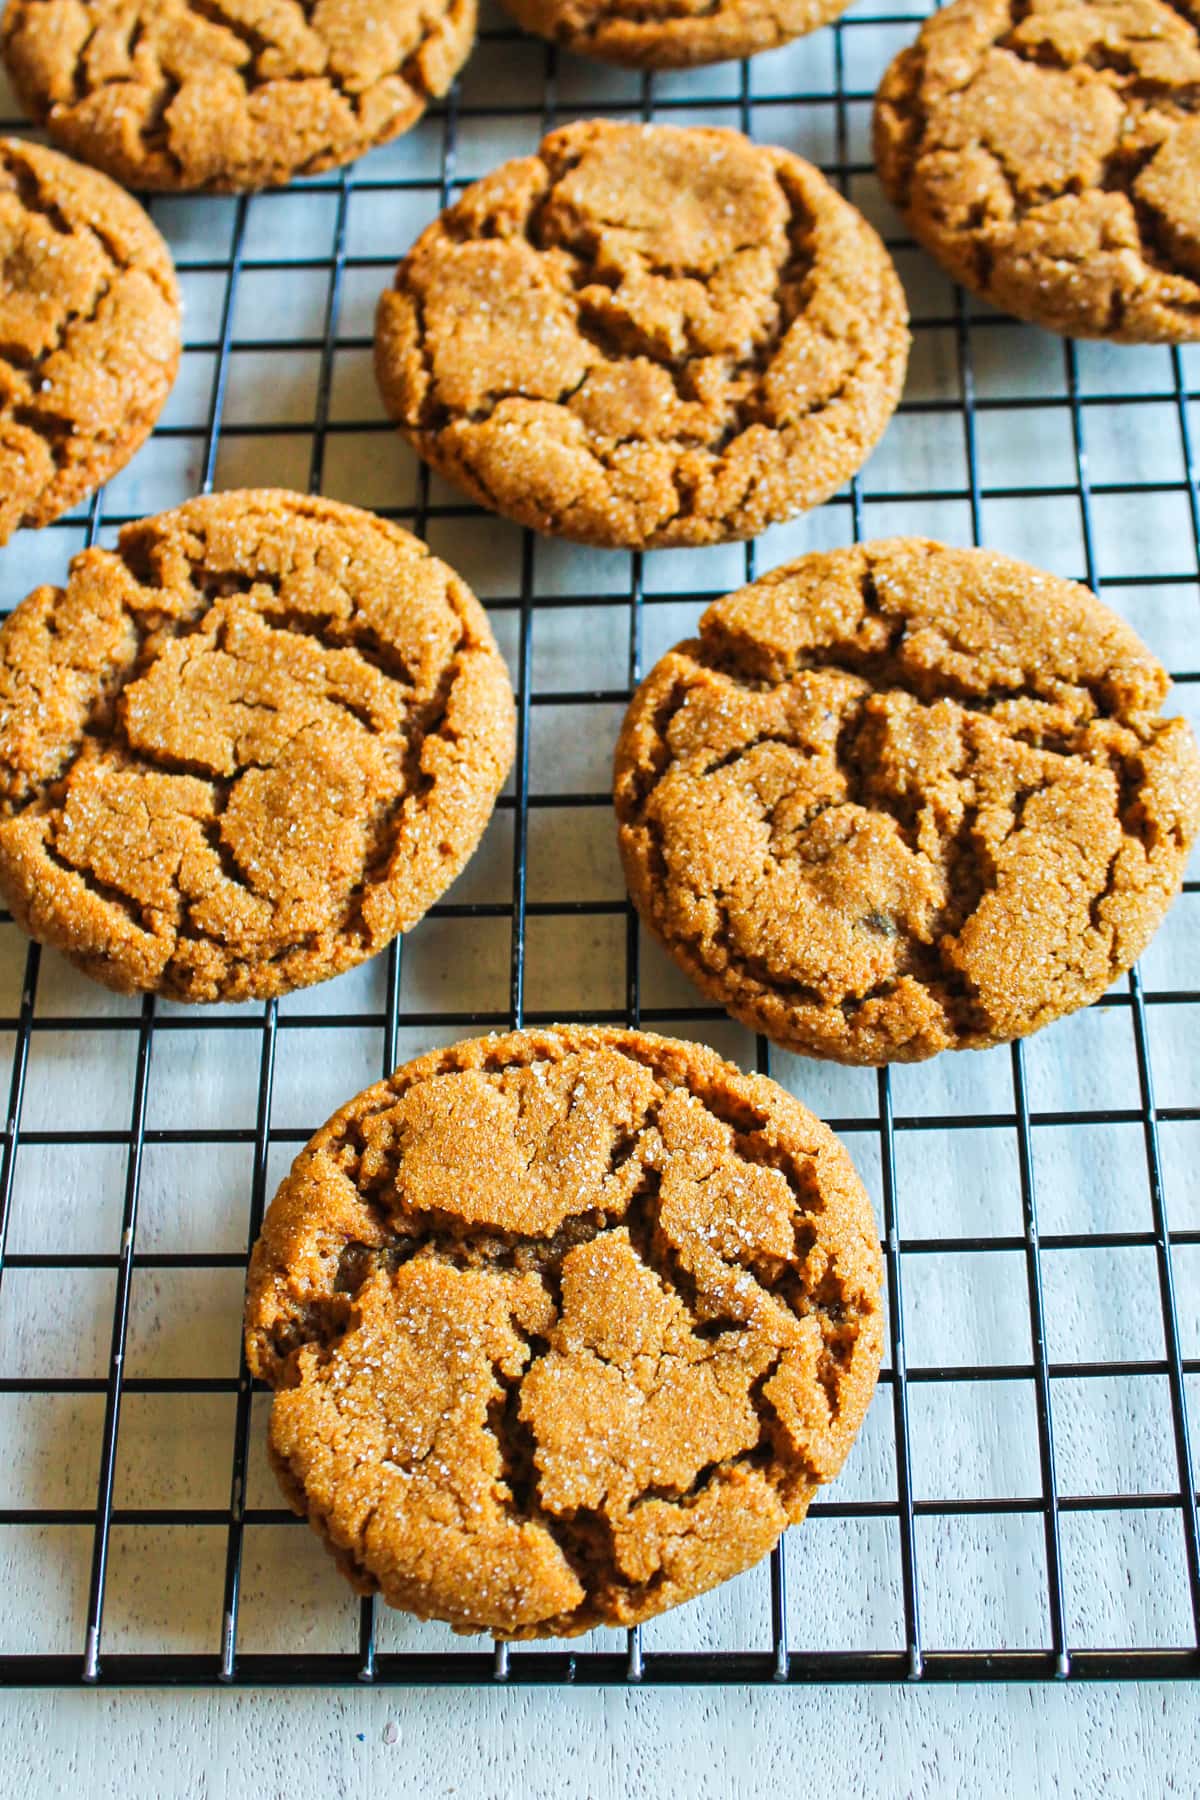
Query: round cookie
(645,336)
(564,1327)
(89,332)
(244,750)
(680,34)
(901,799)
(225,97)
(1049,157)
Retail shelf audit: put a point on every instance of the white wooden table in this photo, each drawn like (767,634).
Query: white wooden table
(545,1745)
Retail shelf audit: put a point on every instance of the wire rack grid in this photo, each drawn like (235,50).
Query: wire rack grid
(1022,1502)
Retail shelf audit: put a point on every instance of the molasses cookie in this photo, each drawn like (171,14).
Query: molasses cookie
(1048,155)
(902,799)
(89,332)
(243,750)
(645,335)
(226,97)
(564,1327)
(648,34)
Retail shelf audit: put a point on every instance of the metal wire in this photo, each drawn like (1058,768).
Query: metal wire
(775,1660)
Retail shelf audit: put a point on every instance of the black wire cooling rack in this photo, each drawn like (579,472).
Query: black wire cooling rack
(1076,1530)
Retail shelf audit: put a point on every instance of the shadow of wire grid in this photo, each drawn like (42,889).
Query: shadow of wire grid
(1019,1503)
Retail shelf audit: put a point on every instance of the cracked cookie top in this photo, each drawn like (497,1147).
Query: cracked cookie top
(645,335)
(1047,152)
(242,751)
(230,95)
(565,1327)
(901,799)
(89,332)
(672,34)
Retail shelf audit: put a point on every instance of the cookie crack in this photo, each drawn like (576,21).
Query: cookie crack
(432,1234)
(586,1536)
(34,199)
(36,411)
(142,918)
(643,12)
(255,42)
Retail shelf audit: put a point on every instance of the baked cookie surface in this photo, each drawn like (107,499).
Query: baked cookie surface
(244,750)
(645,335)
(902,798)
(671,34)
(564,1327)
(89,332)
(228,97)
(1047,153)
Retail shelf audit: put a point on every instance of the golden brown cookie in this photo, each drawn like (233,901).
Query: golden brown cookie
(227,96)
(1047,152)
(902,799)
(242,751)
(89,332)
(672,34)
(564,1327)
(645,335)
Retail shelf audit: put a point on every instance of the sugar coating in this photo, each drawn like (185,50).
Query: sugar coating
(89,332)
(244,750)
(226,95)
(645,335)
(672,34)
(1047,152)
(564,1327)
(903,798)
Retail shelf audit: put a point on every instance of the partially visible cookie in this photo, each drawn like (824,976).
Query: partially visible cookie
(245,749)
(1049,156)
(902,799)
(224,96)
(672,34)
(564,1327)
(89,332)
(645,336)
